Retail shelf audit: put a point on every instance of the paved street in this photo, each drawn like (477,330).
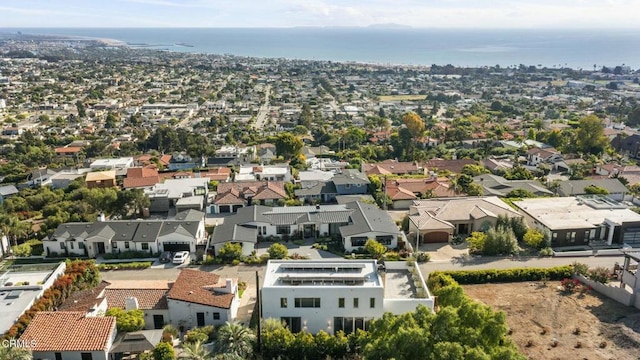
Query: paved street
(263,112)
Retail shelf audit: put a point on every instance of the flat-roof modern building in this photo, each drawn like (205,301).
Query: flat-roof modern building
(579,220)
(339,295)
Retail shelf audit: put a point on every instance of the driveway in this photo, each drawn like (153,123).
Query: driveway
(304,249)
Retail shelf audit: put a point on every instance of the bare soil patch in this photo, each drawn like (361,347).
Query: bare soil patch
(546,323)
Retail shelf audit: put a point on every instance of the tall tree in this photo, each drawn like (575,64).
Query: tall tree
(414,123)
(288,145)
(590,138)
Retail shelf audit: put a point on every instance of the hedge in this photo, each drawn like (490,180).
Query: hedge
(507,275)
(125,266)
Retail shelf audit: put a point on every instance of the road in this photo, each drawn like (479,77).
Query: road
(263,112)
(247,273)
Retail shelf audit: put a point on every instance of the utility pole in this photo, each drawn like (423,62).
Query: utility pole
(259,309)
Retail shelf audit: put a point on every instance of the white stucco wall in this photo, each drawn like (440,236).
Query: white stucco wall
(69,355)
(178,238)
(369,235)
(322,318)
(184,314)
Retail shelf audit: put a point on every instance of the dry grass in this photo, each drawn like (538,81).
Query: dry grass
(401,97)
(547,324)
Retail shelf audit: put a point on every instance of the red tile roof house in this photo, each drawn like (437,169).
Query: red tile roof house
(393,167)
(403,191)
(146,295)
(141,178)
(199,298)
(70,335)
(235,195)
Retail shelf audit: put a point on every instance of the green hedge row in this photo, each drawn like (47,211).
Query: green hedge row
(125,266)
(507,275)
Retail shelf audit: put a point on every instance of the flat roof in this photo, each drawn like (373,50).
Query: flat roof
(576,212)
(320,273)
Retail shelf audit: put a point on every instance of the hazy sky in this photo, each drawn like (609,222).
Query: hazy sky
(287,13)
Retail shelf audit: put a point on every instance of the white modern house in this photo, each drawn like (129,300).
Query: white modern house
(339,295)
(112,164)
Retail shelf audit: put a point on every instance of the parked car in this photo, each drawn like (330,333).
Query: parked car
(180,257)
(166,257)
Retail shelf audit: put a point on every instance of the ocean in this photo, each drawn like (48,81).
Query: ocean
(551,48)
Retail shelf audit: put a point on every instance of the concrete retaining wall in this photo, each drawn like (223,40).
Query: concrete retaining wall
(616,293)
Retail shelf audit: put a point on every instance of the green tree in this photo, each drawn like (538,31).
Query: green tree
(595,190)
(520,193)
(374,248)
(194,351)
(127,321)
(276,343)
(590,138)
(535,238)
(475,242)
(82,112)
(288,145)
(414,123)
(500,241)
(277,251)
(474,170)
(15,353)
(164,351)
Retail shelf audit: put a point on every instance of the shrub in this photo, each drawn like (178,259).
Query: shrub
(125,266)
(600,274)
(203,334)
(500,241)
(570,285)
(535,238)
(476,241)
(423,257)
(22,250)
(230,252)
(507,275)
(374,248)
(546,252)
(580,268)
(164,351)
(127,321)
(278,251)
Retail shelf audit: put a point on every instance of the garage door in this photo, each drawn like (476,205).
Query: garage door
(224,209)
(167,246)
(435,237)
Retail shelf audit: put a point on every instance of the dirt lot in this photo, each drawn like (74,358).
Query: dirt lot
(585,326)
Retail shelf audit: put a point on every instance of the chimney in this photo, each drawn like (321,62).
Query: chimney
(102,217)
(228,288)
(131,303)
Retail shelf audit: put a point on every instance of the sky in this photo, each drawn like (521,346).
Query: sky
(490,14)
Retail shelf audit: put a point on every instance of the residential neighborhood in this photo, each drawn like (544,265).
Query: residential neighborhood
(158,201)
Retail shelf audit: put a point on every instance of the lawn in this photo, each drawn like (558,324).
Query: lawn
(582,326)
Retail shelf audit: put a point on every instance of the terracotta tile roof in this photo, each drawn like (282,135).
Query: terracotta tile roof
(231,197)
(199,287)
(148,299)
(165,159)
(84,300)
(455,166)
(271,191)
(139,284)
(391,167)
(68,150)
(69,331)
(257,189)
(140,182)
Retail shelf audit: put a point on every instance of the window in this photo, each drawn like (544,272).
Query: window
(216,316)
(570,236)
(114,244)
(307,302)
(62,246)
(145,246)
(71,245)
(350,324)
(358,240)
(293,323)
(356,302)
(126,244)
(283,302)
(80,245)
(385,240)
(200,319)
(283,229)
(554,237)
(340,302)
(86,356)
(372,302)
(58,356)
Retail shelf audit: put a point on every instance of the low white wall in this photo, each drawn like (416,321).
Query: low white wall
(401,306)
(572,253)
(607,252)
(616,293)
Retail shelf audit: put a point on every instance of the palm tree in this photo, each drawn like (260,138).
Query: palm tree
(13,228)
(15,353)
(195,351)
(235,339)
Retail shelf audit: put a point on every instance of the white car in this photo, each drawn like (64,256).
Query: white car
(180,257)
